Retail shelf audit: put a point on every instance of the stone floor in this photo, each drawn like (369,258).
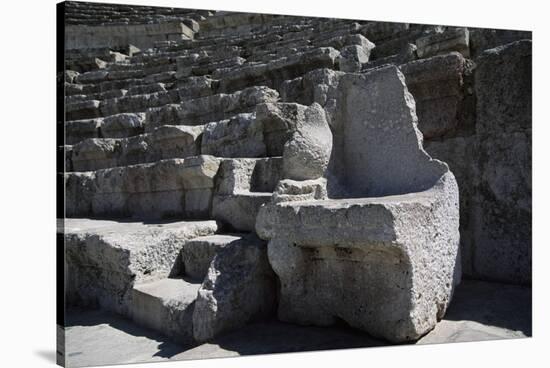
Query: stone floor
(480,311)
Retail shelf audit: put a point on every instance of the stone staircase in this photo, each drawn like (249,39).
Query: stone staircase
(189,133)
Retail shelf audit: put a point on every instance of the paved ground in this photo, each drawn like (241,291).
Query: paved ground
(480,311)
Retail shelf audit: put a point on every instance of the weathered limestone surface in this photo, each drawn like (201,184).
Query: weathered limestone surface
(502,205)
(242,186)
(450,39)
(209,108)
(197,253)
(386,243)
(240,136)
(437,84)
(229,115)
(165,142)
(141,35)
(307,152)
(106,258)
(167,188)
(166,305)
(114,126)
(240,288)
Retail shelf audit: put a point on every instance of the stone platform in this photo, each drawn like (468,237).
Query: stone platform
(480,311)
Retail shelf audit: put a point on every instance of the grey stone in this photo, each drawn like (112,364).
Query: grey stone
(307,152)
(274,73)
(384,243)
(242,186)
(166,306)
(240,136)
(318,86)
(147,88)
(303,190)
(78,130)
(82,110)
(165,142)
(439,90)
(196,254)
(70,76)
(167,188)
(480,311)
(210,108)
(239,210)
(240,288)
(353,57)
(502,206)
(140,35)
(123,125)
(278,122)
(449,39)
(482,39)
(95,76)
(106,258)
(461,154)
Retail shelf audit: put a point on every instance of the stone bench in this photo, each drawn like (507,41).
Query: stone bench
(378,246)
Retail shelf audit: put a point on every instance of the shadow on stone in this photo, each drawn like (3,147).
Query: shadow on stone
(493,304)
(81,317)
(271,337)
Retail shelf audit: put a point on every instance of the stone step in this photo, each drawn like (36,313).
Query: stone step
(121,72)
(207,67)
(272,74)
(165,142)
(210,108)
(136,99)
(166,306)
(114,126)
(197,253)
(439,85)
(114,93)
(261,133)
(165,189)
(239,210)
(106,258)
(238,288)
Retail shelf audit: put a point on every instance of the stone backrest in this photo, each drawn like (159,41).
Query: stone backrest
(377,145)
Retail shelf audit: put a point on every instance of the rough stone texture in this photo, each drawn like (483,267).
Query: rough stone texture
(482,39)
(210,108)
(122,125)
(460,153)
(437,84)
(240,136)
(104,259)
(136,117)
(450,39)
(384,249)
(480,311)
(307,152)
(166,305)
(197,253)
(140,35)
(167,188)
(165,142)
(77,130)
(240,288)
(353,57)
(502,205)
(114,126)
(293,190)
(277,71)
(242,186)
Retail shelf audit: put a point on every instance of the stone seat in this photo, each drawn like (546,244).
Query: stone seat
(326,222)
(369,236)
